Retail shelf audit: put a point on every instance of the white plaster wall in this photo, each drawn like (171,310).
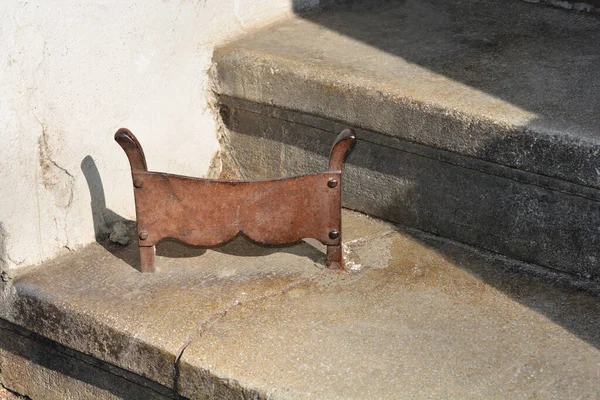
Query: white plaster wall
(71,73)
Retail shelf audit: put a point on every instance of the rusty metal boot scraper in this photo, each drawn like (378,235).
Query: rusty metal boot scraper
(207,212)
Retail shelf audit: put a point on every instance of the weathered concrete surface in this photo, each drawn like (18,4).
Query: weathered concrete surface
(423,318)
(415,316)
(95,302)
(502,81)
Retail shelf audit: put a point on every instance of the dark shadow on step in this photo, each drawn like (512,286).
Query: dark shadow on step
(415,185)
(511,50)
(516,63)
(104,218)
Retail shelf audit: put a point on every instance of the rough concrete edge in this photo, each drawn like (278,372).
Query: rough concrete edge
(445,156)
(42,303)
(90,360)
(8,394)
(226,388)
(332,78)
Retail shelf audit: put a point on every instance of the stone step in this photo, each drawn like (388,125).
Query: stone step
(477,120)
(414,316)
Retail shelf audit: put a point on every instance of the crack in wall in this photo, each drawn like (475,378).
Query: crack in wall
(217,315)
(58,180)
(52,172)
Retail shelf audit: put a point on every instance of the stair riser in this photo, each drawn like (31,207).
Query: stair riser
(570,159)
(522,215)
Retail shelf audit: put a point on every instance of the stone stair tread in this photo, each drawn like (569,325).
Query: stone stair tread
(415,316)
(503,81)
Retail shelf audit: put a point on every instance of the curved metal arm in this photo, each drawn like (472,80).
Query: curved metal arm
(133,149)
(342,145)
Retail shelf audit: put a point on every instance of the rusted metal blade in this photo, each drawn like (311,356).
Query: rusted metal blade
(208,212)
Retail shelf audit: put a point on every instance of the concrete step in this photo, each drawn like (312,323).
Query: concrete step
(415,316)
(477,120)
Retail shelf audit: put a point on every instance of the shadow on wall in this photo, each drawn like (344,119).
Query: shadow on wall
(103,217)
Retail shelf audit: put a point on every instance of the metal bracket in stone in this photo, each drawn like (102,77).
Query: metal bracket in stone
(207,212)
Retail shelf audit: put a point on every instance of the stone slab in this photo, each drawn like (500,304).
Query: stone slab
(523,215)
(422,318)
(500,81)
(94,301)
(414,316)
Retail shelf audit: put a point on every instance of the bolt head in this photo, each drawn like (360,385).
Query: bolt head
(138,183)
(332,183)
(143,235)
(334,234)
